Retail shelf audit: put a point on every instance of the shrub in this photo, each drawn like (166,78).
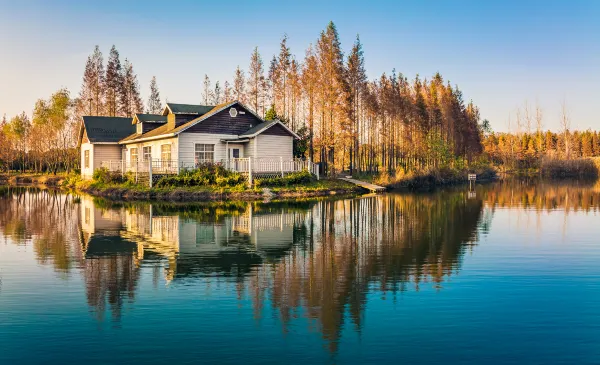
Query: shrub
(290,179)
(104,176)
(204,175)
(558,169)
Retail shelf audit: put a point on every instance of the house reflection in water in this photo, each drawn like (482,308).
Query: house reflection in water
(316,260)
(189,243)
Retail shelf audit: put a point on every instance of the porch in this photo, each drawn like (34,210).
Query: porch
(250,167)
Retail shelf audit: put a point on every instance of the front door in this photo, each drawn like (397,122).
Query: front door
(234,153)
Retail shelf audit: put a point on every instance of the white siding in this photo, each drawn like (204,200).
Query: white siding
(86,173)
(106,152)
(156,155)
(98,153)
(274,146)
(187,142)
(249,148)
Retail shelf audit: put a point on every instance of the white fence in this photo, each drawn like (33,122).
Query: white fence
(250,167)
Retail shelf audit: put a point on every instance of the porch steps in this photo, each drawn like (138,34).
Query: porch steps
(371,187)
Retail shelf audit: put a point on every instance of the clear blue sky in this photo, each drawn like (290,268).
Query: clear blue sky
(500,53)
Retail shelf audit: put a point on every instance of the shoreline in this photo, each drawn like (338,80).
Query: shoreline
(181,194)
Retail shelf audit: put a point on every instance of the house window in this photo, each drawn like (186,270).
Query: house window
(147,151)
(86,159)
(165,152)
(205,234)
(139,128)
(133,155)
(204,153)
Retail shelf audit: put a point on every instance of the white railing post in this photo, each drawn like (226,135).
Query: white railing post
(309,165)
(281,164)
(250,171)
(150,172)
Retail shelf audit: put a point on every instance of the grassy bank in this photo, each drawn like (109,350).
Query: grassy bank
(210,183)
(49,180)
(585,168)
(429,179)
(129,192)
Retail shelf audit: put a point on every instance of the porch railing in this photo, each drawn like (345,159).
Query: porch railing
(250,167)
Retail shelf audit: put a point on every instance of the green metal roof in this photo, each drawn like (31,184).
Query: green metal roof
(107,129)
(189,108)
(259,128)
(151,118)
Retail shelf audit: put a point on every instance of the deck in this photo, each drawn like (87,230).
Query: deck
(371,187)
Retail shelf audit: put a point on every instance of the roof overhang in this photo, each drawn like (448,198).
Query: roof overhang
(153,138)
(238,140)
(275,122)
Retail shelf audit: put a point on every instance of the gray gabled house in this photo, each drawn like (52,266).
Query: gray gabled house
(185,136)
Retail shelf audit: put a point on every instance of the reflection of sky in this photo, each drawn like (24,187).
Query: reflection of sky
(528,292)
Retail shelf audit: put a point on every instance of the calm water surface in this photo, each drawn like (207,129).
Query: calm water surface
(507,274)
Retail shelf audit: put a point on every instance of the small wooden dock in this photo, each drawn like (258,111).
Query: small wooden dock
(371,187)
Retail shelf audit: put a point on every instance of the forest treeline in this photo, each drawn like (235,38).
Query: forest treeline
(346,121)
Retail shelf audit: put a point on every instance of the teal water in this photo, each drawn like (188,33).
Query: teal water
(508,274)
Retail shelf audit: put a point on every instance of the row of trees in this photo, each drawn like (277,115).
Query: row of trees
(44,143)
(525,149)
(47,141)
(527,142)
(350,122)
(113,90)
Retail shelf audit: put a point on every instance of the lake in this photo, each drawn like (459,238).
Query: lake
(506,274)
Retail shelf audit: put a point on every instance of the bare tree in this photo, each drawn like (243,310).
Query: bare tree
(565,125)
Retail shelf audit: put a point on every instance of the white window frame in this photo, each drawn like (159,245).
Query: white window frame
(204,153)
(165,155)
(133,160)
(147,153)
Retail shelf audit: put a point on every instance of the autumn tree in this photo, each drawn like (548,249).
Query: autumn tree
(206,91)
(356,80)
(239,85)
(92,93)
(255,81)
(131,101)
(154,105)
(113,81)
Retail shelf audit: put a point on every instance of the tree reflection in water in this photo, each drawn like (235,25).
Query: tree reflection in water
(316,260)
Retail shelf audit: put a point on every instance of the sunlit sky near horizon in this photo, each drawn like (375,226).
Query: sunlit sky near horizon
(500,53)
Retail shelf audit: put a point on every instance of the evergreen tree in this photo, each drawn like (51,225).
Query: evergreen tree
(255,81)
(356,80)
(113,82)
(91,96)
(227,92)
(206,93)
(310,81)
(283,69)
(131,101)
(154,105)
(239,84)
(217,94)
(333,92)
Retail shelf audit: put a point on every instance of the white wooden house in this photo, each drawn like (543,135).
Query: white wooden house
(185,136)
